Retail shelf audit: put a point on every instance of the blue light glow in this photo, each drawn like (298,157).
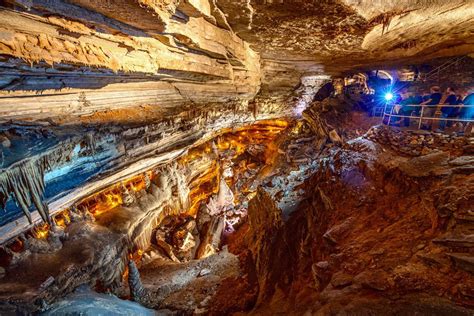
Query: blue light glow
(388,96)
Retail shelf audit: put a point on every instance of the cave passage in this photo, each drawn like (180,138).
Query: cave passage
(223,157)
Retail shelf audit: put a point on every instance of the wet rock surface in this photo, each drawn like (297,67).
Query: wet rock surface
(86,302)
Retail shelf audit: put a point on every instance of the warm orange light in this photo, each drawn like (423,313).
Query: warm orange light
(66,216)
(125,273)
(60,222)
(112,200)
(237,139)
(41,231)
(136,256)
(112,197)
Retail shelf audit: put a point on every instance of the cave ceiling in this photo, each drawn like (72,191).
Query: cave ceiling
(336,35)
(161,75)
(348,34)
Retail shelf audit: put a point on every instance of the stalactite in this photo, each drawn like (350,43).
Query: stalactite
(24,181)
(91,142)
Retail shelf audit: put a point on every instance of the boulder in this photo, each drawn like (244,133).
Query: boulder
(341,279)
(426,165)
(374,279)
(337,232)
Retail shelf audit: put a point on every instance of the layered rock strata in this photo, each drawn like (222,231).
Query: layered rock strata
(147,54)
(120,153)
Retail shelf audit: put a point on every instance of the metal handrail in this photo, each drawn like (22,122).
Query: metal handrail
(420,117)
(442,67)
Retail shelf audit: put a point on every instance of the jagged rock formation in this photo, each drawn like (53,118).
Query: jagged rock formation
(392,243)
(264,223)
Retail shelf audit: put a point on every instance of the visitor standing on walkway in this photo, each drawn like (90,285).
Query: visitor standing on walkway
(432,102)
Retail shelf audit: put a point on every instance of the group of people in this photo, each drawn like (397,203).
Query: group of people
(452,105)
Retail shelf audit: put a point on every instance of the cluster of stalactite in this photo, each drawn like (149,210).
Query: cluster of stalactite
(25,181)
(202,178)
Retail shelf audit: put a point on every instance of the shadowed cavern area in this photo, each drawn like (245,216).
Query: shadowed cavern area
(231,157)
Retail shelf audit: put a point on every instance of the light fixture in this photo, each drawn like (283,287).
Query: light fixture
(388,96)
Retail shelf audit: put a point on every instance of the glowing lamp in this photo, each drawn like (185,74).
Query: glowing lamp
(388,96)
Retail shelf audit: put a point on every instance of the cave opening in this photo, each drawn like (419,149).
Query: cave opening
(218,157)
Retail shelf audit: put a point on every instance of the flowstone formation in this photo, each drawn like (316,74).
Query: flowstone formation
(164,213)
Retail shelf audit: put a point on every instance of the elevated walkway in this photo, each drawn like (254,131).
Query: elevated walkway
(422,116)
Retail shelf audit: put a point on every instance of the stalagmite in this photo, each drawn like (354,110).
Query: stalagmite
(136,288)
(211,238)
(224,199)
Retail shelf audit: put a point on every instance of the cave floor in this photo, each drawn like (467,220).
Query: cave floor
(190,286)
(34,272)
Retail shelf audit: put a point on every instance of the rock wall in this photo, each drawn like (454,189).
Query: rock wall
(395,242)
(119,152)
(78,57)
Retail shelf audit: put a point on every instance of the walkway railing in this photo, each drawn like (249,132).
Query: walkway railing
(393,110)
(437,71)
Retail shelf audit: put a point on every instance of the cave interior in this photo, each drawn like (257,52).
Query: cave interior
(233,157)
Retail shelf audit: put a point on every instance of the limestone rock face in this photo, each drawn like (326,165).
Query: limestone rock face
(265,223)
(341,34)
(88,56)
